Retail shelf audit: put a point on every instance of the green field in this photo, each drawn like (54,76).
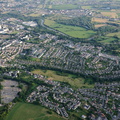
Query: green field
(86,7)
(24,111)
(63,7)
(77,32)
(114,34)
(73,80)
(107,40)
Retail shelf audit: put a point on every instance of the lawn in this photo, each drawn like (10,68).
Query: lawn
(73,80)
(25,111)
(77,32)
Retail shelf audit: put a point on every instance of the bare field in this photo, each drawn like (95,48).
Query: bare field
(99,25)
(9,91)
(99,20)
(110,14)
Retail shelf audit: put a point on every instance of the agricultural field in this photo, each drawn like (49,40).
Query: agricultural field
(99,25)
(110,14)
(24,111)
(99,20)
(73,80)
(73,31)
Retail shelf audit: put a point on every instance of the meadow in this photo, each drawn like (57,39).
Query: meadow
(72,79)
(73,31)
(25,111)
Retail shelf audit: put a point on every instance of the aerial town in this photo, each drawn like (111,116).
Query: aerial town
(59,60)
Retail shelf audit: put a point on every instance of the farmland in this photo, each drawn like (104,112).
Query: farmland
(24,111)
(99,20)
(73,80)
(73,31)
(110,14)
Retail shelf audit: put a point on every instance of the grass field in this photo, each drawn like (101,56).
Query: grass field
(114,34)
(24,111)
(35,15)
(63,7)
(77,32)
(107,39)
(73,80)
(86,7)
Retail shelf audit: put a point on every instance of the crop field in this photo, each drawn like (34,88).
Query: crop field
(73,31)
(24,111)
(110,14)
(73,80)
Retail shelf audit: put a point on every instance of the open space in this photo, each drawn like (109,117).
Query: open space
(24,111)
(9,91)
(63,7)
(73,80)
(73,31)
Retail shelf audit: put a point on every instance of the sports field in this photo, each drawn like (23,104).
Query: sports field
(25,111)
(73,31)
